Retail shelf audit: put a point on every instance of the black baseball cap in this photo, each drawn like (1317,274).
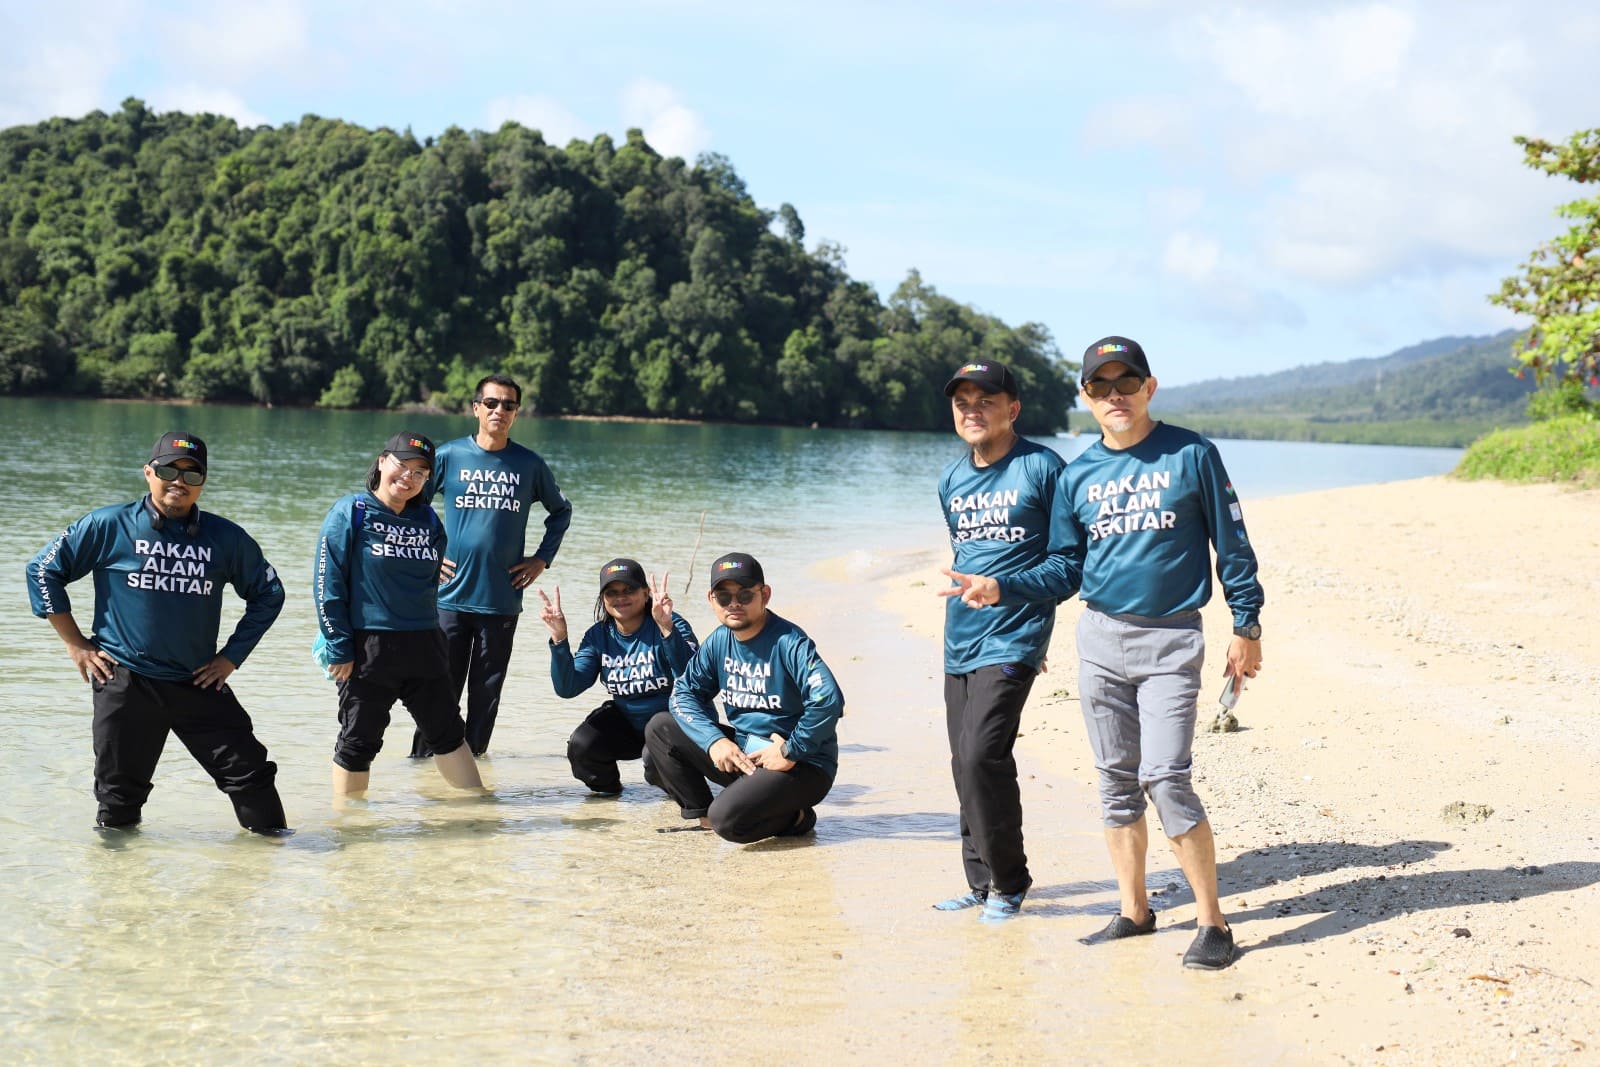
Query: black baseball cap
(737,567)
(1114,349)
(988,375)
(408,445)
(623,570)
(178,444)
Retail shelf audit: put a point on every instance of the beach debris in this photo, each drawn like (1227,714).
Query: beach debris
(1225,722)
(1461,931)
(1487,978)
(1459,811)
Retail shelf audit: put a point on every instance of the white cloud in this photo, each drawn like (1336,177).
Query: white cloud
(1191,257)
(57,59)
(233,40)
(671,127)
(196,99)
(543,113)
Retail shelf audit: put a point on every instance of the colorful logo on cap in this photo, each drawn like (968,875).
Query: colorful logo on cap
(178,442)
(419,444)
(615,568)
(973,368)
(730,565)
(1103,349)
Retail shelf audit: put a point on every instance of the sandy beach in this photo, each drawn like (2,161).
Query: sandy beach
(1405,819)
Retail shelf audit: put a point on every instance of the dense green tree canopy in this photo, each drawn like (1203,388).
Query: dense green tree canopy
(1559,287)
(160,255)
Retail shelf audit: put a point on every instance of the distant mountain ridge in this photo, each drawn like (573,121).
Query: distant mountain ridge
(1445,378)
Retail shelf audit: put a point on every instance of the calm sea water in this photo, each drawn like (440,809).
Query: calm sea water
(490,928)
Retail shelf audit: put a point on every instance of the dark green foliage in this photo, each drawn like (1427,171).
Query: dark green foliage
(158,255)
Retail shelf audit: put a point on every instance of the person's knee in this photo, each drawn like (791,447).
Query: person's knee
(444,734)
(734,823)
(1177,804)
(1122,802)
(661,731)
(355,754)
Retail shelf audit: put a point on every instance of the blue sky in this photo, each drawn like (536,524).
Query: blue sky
(1243,187)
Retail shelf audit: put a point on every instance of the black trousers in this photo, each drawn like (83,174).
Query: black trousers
(751,807)
(390,665)
(605,737)
(983,711)
(133,715)
(478,648)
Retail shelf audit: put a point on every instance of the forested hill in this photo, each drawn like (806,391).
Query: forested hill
(173,255)
(1444,379)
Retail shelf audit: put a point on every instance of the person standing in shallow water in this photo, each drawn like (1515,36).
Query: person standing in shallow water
(159,568)
(778,753)
(1145,505)
(998,501)
(376,580)
(637,646)
(487,485)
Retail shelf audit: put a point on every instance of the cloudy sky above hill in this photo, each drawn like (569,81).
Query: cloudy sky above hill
(1242,187)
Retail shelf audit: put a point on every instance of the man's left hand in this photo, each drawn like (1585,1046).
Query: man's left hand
(772,757)
(527,572)
(214,674)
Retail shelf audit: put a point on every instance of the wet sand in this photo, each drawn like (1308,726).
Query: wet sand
(1406,820)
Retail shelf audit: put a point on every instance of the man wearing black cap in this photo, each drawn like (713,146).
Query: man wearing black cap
(488,484)
(777,755)
(159,568)
(998,500)
(1144,505)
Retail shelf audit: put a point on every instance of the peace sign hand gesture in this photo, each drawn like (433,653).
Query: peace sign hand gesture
(551,616)
(661,604)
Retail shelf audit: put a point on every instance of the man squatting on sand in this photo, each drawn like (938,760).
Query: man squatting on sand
(998,501)
(159,567)
(488,484)
(1144,505)
(777,755)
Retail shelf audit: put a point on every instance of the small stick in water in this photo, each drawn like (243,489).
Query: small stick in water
(688,579)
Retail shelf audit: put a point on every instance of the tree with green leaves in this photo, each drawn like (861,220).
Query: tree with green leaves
(1559,287)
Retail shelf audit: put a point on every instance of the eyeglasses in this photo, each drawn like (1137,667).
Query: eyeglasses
(171,474)
(1100,388)
(405,473)
(724,598)
(494,402)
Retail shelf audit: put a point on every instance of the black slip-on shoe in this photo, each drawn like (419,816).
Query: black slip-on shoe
(1211,950)
(807,823)
(1120,927)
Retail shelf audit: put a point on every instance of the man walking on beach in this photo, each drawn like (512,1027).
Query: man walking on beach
(1145,504)
(159,568)
(998,500)
(777,755)
(488,484)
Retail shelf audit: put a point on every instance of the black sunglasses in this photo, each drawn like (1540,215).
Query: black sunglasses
(493,402)
(1100,388)
(172,474)
(724,598)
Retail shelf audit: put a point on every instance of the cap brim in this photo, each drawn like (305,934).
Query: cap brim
(168,458)
(955,383)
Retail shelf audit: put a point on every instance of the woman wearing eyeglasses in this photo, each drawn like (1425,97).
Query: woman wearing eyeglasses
(637,646)
(376,584)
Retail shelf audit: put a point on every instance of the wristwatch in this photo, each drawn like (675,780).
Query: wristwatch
(1250,633)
